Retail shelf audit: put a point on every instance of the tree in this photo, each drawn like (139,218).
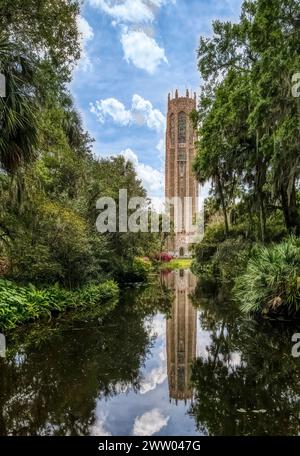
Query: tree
(247,76)
(46,29)
(18,110)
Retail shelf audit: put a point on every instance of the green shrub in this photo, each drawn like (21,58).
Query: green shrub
(20,304)
(131,271)
(215,233)
(204,251)
(94,294)
(214,237)
(231,258)
(271,282)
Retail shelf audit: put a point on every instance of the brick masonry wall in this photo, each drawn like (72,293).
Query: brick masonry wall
(180,153)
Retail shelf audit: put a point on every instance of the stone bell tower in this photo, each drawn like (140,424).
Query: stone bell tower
(179,179)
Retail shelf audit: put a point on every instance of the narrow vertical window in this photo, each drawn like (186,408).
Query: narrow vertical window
(172,129)
(181,127)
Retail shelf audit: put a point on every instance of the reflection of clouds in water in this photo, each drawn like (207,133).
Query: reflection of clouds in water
(98,429)
(154,378)
(150,423)
(158,374)
(20,358)
(148,410)
(232,360)
(121,388)
(158,327)
(235,359)
(203,343)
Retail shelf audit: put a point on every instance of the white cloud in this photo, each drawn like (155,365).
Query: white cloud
(111,108)
(140,113)
(161,147)
(131,11)
(98,429)
(86,34)
(150,423)
(129,155)
(152,117)
(85,29)
(151,178)
(142,50)
(139,48)
(128,11)
(158,204)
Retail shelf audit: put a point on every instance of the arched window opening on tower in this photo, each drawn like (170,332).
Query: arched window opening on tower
(181,127)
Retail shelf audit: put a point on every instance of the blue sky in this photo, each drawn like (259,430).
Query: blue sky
(133,53)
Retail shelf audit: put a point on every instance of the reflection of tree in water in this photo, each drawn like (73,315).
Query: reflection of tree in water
(51,386)
(248,382)
(155,297)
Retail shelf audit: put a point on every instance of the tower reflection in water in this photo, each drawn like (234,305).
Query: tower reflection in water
(181,335)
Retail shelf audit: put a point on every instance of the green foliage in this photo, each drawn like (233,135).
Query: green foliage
(18,110)
(40,25)
(271,281)
(219,259)
(49,216)
(131,271)
(96,294)
(22,304)
(249,138)
(48,205)
(248,119)
(231,258)
(214,235)
(50,181)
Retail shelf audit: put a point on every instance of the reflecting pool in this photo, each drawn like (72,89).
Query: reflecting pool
(172,359)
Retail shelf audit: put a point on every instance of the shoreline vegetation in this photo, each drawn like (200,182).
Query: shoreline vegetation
(24,304)
(261,279)
(248,125)
(51,179)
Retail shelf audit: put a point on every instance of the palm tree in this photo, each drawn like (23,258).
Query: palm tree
(18,109)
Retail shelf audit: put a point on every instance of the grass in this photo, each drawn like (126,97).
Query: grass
(177,263)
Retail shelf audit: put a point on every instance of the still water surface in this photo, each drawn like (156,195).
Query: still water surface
(173,359)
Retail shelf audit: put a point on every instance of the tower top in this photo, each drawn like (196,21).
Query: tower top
(188,95)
